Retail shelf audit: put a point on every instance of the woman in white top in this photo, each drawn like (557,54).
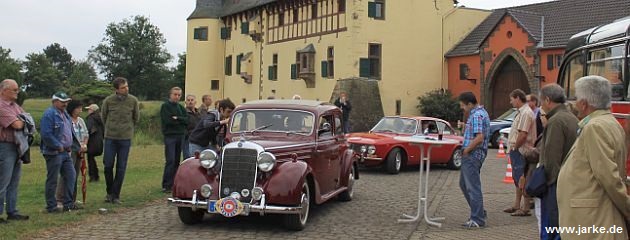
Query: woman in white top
(82,135)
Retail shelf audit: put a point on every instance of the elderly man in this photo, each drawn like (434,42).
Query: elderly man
(557,138)
(10,166)
(206,106)
(56,145)
(591,190)
(521,138)
(193,117)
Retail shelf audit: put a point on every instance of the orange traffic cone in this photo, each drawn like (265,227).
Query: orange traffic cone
(508,173)
(501,152)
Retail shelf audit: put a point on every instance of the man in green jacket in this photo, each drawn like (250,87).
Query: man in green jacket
(120,113)
(174,122)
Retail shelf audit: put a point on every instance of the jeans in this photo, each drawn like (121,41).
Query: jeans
(10,171)
(76,162)
(346,126)
(92,167)
(55,165)
(198,148)
(470,183)
(116,151)
(186,148)
(172,154)
(549,213)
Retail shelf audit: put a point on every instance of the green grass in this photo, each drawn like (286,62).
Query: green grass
(142,184)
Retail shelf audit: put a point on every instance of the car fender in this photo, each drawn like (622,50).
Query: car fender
(284,185)
(349,160)
(190,176)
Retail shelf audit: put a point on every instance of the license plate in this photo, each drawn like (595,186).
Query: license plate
(212,206)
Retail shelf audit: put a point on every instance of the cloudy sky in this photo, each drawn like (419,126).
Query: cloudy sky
(30,25)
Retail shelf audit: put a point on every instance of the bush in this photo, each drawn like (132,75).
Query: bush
(440,104)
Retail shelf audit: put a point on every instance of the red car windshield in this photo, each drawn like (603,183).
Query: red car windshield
(396,125)
(273,120)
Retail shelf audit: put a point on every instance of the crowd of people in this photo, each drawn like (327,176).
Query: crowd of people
(581,152)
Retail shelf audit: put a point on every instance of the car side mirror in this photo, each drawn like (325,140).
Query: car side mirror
(325,128)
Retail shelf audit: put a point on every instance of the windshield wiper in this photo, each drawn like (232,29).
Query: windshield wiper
(260,128)
(383,130)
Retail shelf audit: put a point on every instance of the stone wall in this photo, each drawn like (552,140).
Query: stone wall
(365,97)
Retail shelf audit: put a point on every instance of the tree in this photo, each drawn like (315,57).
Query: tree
(41,78)
(82,72)
(179,73)
(9,67)
(440,104)
(61,59)
(134,49)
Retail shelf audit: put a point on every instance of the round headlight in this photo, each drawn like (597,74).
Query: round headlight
(206,190)
(208,159)
(363,149)
(266,161)
(257,193)
(371,149)
(245,192)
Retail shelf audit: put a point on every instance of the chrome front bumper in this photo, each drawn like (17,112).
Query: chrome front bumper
(261,208)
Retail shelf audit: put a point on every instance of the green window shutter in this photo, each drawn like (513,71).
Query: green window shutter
(294,71)
(238,63)
(364,67)
(270,73)
(245,27)
(371,9)
(324,69)
(224,33)
(196,33)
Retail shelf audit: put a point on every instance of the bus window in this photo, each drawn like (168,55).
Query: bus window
(608,62)
(573,71)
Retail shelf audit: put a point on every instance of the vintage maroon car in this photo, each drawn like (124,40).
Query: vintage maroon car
(282,156)
(379,148)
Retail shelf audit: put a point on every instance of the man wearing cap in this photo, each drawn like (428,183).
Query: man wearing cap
(10,166)
(95,142)
(57,140)
(120,115)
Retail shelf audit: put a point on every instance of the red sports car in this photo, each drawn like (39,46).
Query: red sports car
(379,148)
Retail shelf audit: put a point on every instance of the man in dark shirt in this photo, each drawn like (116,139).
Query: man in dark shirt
(343,103)
(193,117)
(174,122)
(208,132)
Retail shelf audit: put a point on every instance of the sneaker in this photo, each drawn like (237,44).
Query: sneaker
(72,207)
(17,217)
(55,210)
(470,224)
(166,190)
(116,201)
(108,198)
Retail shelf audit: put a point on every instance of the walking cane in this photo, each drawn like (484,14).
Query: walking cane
(83,167)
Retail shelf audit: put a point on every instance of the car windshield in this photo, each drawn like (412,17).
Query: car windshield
(396,125)
(508,115)
(290,121)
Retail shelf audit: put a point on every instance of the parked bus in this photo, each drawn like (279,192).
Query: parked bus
(603,51)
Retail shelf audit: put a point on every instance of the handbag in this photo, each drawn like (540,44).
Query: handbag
(531,155)
(537,183)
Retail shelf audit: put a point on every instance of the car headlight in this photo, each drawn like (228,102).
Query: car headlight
(257,193)
(206,190)
(208,159)
(371,150)
(266,161)
(363,149)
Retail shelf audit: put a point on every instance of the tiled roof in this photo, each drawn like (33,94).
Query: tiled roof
(562,19)
(220,8)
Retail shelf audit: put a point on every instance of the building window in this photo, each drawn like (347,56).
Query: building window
(201,34)
(398,107)
(375,60)
(273,69)
(214,85)
(376,9)
(342,5)
(296,15)
(239,58)
(314,10)
(558,60)
(228,65)
(331,62)
(550,61)
(281,19)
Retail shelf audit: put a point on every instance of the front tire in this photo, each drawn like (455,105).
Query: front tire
(188,216)
(347,195)
(297,222)
(394,161)
(455,163)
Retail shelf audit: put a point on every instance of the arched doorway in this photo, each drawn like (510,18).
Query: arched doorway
(509,76)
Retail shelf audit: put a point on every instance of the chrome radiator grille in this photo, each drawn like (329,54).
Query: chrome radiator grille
(238,171)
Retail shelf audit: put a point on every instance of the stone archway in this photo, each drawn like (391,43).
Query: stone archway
(509,71)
